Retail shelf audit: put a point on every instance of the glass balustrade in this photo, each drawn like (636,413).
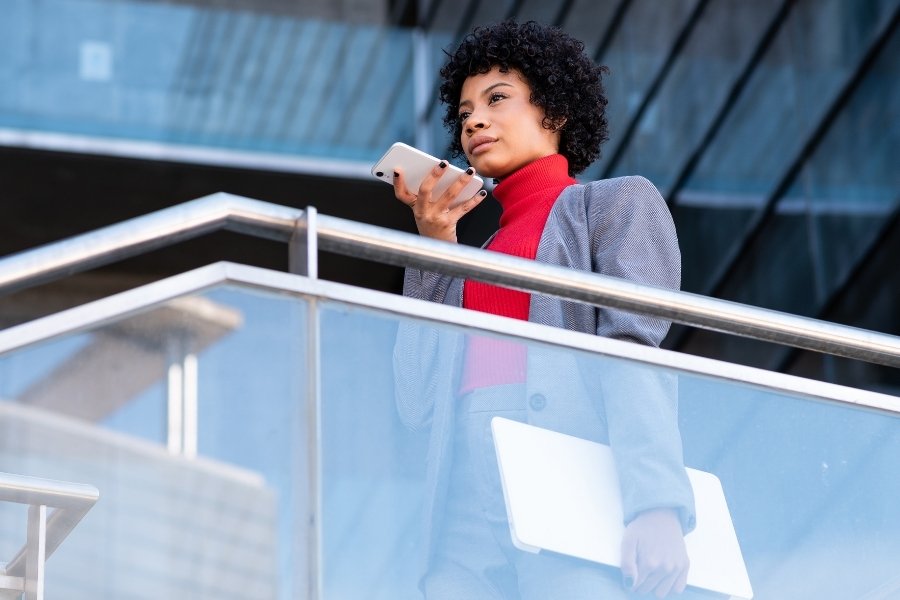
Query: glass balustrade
(807,475)
(97,406)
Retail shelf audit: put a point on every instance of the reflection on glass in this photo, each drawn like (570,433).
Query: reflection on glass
(98,407)
(806,481)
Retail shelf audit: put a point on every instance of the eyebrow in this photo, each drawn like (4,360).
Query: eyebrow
(486,91)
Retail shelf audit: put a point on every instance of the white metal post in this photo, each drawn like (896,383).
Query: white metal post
(36,552)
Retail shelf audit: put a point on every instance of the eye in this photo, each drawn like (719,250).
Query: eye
(463,116)
(495,97)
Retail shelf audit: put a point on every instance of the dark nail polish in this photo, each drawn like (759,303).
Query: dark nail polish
(482,193)
(396,174)
(470,171)
(443,164)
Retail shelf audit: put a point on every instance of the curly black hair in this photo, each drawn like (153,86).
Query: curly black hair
(564,82)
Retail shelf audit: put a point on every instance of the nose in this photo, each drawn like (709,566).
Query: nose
(474,123)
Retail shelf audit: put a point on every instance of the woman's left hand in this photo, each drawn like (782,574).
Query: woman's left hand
(654,557)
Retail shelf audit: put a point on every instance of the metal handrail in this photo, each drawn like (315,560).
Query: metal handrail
(148,232)
(280,223)
(70,501)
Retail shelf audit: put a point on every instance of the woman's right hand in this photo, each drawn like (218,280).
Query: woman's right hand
(654,557)
(437,217)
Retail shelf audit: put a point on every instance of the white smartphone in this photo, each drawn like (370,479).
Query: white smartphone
(416,165)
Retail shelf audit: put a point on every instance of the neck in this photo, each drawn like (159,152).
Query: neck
(537,183)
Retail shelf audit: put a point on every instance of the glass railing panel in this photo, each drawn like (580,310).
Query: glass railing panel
(60,376)
(808,479)
(371,490)
(226,523)
(806,476)
(13,519)
(164,526)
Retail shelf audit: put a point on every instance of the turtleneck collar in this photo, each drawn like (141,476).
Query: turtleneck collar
(540,181)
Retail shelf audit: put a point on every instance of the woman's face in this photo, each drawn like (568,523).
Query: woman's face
(502,130)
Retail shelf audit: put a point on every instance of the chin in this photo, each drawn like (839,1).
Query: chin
(485,168)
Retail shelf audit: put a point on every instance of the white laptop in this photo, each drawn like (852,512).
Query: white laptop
(562,495)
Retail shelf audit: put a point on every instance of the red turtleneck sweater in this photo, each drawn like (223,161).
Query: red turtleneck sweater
(526,196)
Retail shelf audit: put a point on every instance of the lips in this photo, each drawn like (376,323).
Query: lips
(480,143)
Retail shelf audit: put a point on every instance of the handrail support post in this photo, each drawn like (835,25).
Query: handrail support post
(303,249)
(36,552)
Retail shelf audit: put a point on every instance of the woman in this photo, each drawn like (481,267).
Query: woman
(525,106)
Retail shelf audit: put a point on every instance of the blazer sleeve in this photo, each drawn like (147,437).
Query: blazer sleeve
(633,237)
(421,352)
(426,285)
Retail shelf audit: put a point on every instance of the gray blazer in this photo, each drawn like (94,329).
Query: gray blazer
(619,227)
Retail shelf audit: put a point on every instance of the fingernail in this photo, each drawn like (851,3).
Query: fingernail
(396,174)
(470,171)
(443,164)
(482,193)
(628,582)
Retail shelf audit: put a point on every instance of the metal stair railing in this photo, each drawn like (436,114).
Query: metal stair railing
(46,529)
(307,232)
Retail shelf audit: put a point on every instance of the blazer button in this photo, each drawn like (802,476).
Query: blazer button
(537,402)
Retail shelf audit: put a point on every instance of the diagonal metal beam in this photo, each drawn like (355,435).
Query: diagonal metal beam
(787,178)
(737,88)
(612,28)
(562,14)
(663,72)
(890,229)
(762,218)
